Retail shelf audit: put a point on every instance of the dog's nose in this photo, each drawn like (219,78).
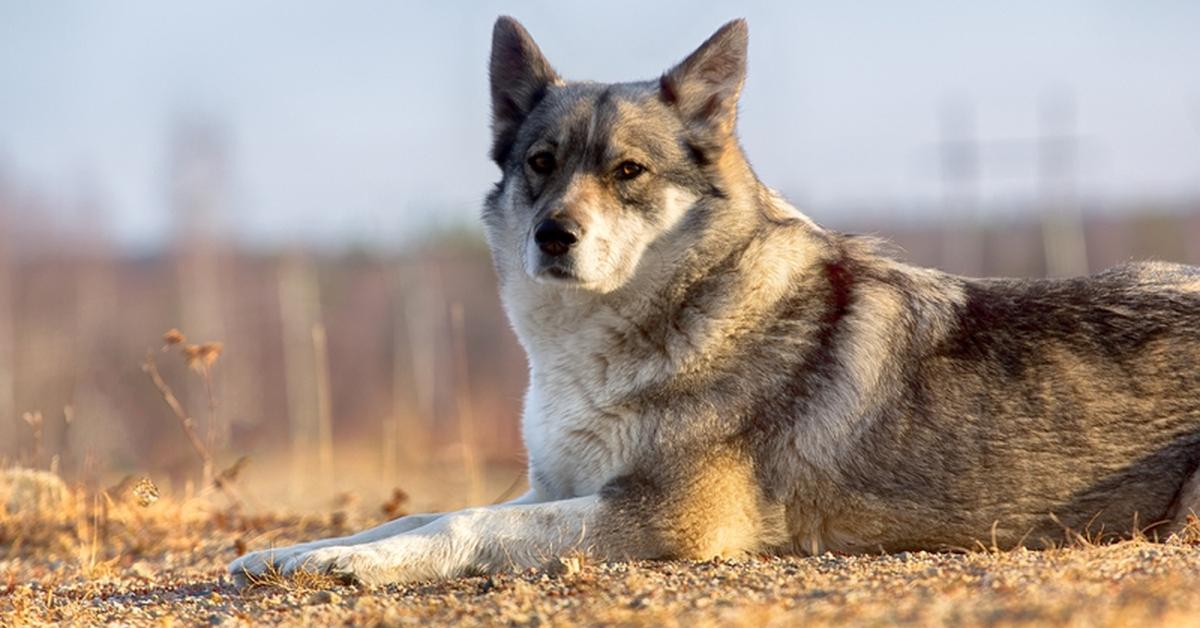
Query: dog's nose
(554,236)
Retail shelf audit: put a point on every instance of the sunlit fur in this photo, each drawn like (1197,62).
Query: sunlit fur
(712,373)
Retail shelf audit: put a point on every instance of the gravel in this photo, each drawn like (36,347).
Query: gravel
(178,577)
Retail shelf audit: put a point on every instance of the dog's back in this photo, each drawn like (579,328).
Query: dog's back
(1046,405)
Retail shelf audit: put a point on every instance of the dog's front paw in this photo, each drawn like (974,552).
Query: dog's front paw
(264,563)
(349,564)
(399,559)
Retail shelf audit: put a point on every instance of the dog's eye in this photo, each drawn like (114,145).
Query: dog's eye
(542,163)
(629,170)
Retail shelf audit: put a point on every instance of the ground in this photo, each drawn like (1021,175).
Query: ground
(123,560)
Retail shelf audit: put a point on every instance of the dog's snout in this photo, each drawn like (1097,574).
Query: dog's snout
(554,236)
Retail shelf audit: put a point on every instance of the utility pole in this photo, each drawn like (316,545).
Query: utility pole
(1058,164)
(1193,240)
(962,239)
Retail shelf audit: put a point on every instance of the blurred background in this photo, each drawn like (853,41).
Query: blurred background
(301,183)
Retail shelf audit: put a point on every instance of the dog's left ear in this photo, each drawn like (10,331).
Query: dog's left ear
(704,88)
(519,76)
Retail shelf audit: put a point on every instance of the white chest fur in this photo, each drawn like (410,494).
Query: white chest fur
(579,425)
(575,446)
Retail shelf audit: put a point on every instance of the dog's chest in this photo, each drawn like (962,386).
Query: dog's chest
(585,422)
(576,437)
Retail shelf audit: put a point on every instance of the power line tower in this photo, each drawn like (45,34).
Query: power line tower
(959,152)
(1058,167)
(1194,235)
(1055,150)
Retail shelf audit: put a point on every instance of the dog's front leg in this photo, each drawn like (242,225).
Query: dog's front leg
(708,508)
(259,563)
(476,540)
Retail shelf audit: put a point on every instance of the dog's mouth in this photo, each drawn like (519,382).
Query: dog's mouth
(558,274)
(555,269)
(561,274)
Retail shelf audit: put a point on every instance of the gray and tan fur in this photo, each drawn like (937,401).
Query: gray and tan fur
(711,373)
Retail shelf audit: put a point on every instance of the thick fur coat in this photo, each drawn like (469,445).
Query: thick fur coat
(712,373)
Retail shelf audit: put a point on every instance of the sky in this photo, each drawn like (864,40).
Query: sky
(368,121)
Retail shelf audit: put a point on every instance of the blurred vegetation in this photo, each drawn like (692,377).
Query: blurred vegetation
(376,365)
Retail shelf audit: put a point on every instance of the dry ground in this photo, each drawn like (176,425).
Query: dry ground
(115,561)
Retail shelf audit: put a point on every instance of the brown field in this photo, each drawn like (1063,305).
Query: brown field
(123,557)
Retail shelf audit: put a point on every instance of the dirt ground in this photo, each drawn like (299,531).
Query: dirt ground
(124,562)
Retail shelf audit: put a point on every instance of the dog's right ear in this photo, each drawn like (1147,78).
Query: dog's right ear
(519,76)
(704,88)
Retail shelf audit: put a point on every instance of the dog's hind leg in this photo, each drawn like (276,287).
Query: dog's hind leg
(1186,505)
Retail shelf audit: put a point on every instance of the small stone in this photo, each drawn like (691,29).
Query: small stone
(563,566)
(142,570)
(324,597)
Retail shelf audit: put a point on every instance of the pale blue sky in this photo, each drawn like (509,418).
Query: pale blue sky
(366,120)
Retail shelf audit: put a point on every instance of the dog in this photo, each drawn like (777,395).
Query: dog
(713,374)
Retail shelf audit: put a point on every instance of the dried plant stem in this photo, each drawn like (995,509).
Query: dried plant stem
(512,490)
(34,419)
(185,421)
(299,309)
(64,438)
(8,407)
(389,442)
(390,426)
(462,396)
(324,402)
(206,375)
(421,309)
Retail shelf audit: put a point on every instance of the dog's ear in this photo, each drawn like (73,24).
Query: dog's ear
(519,76)
(704,88)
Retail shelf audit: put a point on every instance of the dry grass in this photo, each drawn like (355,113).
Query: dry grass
(124,555)
(119,556)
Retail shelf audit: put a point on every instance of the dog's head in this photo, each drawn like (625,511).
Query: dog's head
(594,174)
